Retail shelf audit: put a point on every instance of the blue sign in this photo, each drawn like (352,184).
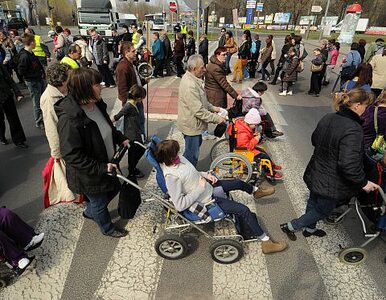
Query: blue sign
(259,7)
(250,15)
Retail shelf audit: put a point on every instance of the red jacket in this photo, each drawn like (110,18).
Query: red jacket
(244,136)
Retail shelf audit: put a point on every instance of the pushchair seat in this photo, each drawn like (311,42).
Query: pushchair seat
(214,211)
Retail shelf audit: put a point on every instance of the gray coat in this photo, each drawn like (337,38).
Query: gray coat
(101,51)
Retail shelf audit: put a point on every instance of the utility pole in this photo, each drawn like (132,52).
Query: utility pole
(325,19)
(198,23)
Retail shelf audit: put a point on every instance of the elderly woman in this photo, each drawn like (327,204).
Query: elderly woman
(58,192)
(186,187)
(216,85)
(335,172)
(88,142)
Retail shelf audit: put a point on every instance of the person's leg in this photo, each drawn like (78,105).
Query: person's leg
(97,210)
(192,148)
(278,69)
(142,120)
(167,66)
(245,71)
(15,127)
(109,75)
(235,185)
(269,124)
(238,209)
(227,61)
(13,226)
(2,125)
(10,251)
(103,74)
(272,64)
(134,154)
(180,69)
(35,91)
(312,83)
(318,82)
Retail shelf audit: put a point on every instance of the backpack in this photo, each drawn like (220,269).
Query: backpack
(63,51)
(253,47)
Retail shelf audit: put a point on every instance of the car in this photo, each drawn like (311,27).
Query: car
(17,24)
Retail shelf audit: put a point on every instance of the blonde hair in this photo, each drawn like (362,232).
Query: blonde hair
(381,98)
(351,97)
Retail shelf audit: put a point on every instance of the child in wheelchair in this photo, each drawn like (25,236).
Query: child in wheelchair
(186,187)
(249,137)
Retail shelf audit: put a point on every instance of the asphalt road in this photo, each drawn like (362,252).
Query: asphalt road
(77,262)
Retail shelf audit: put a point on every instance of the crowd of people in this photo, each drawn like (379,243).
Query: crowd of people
(82,137)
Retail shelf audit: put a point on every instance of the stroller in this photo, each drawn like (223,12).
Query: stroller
(372,205)
(226,248)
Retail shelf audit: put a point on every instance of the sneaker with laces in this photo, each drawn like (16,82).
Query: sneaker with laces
(289,93)
(263,191)
(283,93)
(290,234)
(272,247)
(35,242)
(118,233)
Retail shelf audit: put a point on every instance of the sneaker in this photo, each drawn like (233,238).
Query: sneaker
(118,233)
(272,247)
(4,142)
(102,83)
(263,191)
(277,133)
(276,176)
(277,168)
(112,86)
(289,93)
(21,145)
(23,264)
(35,242)
(318,233)
(290,234)
(283,93)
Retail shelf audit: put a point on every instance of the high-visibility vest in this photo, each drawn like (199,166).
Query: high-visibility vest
(69,61)
(184,29)
(38,51)
(135,39)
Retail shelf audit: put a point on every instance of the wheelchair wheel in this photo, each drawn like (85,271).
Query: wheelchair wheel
(353,256)
(219,148)
(226,251)
(232,166)
(333,219)
(171,246)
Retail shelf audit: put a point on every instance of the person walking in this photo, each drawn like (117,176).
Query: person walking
(158,53)
(265,58)
(283,58)
(101,57)
(378,62)
(184,31)
(8,91)
(255,52)
(333,58)
(216,85)
(203,48)
(242,60)
(33,73)
(335,172)
(316,72)
(273,54)
(88,140)
(221,39)
(290,74)
(194,110)
(61,43)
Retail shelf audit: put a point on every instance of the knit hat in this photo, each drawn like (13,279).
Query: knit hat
(252,117)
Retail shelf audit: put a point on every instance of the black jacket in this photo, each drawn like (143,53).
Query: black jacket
(83,149)
(132,128)
(336,170)
(244,50)
(7,86)
(168,48)
(29,66)
(191,46)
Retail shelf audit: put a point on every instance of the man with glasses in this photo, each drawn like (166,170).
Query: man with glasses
(221,39)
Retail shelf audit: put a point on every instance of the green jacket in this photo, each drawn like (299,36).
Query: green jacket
(374,48)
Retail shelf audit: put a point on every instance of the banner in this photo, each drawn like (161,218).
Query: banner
(251,5)
(331,20)
(305,20)
(268,19)
(282,18)
(259,7)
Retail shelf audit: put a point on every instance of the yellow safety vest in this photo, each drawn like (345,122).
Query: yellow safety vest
(184,29)
(69,61)
(135,39)
(38,51)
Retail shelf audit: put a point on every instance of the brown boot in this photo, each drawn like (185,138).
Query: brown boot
(272,247)
(263,191)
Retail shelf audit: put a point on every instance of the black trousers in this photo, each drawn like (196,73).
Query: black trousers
(180,68)
(269,126)
(167,66)
(158,67)
(316,82)
(134,154)
(9,110)
(278,69)
(106,74)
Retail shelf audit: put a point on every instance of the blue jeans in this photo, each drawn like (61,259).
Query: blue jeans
(97,209)
(245,72)
(228,59)
(36,89)
(318,208)
(234,185)
(192,148)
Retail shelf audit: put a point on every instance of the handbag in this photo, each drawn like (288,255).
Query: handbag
(129,199)
(316,68)
(378,144)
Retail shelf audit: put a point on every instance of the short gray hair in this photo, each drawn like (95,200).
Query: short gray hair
(193,62)
(57,74)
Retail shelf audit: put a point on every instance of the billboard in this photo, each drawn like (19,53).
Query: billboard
(282,18)
(305,20)
(268,19)
(332,20)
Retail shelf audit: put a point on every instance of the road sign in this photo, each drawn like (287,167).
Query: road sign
(173,6)
(316,8)
(251,4)
(259,7)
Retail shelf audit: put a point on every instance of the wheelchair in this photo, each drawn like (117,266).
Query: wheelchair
(227,242)
(231,162)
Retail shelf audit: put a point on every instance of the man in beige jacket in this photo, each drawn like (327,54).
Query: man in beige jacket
(194,110)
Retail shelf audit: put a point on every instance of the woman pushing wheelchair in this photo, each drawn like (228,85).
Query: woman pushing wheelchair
(187,186)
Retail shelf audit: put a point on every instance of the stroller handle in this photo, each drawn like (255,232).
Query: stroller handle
(382,193)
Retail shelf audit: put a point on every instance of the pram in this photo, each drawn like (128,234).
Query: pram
(226,248)
(372,205)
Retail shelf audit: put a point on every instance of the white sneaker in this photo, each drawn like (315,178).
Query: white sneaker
(102,83)
(23,263)
(35,242)
(283,93)
(289,93)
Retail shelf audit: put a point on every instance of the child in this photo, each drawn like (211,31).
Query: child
(290,73)
(252,99)
(248,137)
(132,127)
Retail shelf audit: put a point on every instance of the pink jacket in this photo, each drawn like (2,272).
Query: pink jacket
(334,56)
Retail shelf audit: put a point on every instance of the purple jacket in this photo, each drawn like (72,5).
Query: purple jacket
(368,125)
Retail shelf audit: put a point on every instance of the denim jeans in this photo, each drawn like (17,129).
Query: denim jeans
(36,89)
(234,185)
(192,148)
(318,208)
(245,72)
(97,209)
(227,61)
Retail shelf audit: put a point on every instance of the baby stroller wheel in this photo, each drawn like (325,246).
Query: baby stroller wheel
(353,256)
(171,246)
(226,251)
(333,219)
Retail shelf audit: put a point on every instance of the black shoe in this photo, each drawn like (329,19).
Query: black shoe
(277,133)
(318,233)
(316,95)
(310,93)
(138,173)
(86,216)
(118,233)
(4,142)
(21,145)
(290,234)
(272,83)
